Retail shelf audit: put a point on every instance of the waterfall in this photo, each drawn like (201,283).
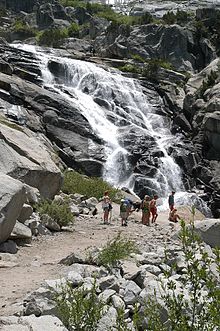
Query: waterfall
(115,106)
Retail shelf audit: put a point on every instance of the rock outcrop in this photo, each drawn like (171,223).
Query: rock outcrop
(12,198)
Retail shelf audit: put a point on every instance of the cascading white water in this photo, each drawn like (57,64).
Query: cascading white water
(125,106)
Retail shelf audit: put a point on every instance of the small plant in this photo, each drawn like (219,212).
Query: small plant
(52,37)
(75,182)
(153,65)
(130,68)
(169,17)
(208,83)
(79,309)
(59,212)
(22,27)
(73,30)
(195,305)
(138,58)
(115,250)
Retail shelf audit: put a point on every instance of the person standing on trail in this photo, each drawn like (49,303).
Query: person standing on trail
(171,200)
(153,208)
(106,202)
(146,210)
(123,212)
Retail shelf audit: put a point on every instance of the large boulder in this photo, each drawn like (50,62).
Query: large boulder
(25,323)
(26,158)
(209,230)
(12,198)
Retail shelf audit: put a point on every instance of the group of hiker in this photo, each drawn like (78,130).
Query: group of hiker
(148,206)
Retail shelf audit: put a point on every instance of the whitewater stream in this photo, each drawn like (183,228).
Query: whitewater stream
(126,107)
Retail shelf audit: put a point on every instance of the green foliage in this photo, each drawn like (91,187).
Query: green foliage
(147,18)
(79,309)
(153,65)
(73,30)
(130,68)
(115,250)
(52,37)
(58,211)
(75,182)
(181,17)
(169,18)
(199,309)
(137,58)
(208,83)
(73,3)
(201,30)
(22,27)
(121,324)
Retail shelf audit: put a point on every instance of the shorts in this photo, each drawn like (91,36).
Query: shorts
(153,211)
(123,215)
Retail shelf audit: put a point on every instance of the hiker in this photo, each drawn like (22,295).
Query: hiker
(173,216)
(146,210)
(153,208)
(123,212)
(171,200)
(129,204)
(106,201)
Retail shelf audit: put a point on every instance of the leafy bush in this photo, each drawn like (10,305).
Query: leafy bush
(208,83)
(115,250)
(153,65)
(73,30)
(169,17)
(79,309)
(199,310)
(130,68)
(22,27)
(59,212)
(137,58)
(52,37)
(75,182)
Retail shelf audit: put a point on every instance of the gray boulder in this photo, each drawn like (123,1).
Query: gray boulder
(209,230)
(25,214)
(21,231)
(12,198)
(26,158)
(25,323)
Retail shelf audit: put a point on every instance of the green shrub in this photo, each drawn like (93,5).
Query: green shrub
(130,68)
(22,27)
(144,19)
(73,30)
(73,3)
(75,182)
(52,37)
(59,212)
(200,309)
(137,58)
(208,83)
(79,309)
(169,18)
(153,65)
(115,250)
(182,17)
